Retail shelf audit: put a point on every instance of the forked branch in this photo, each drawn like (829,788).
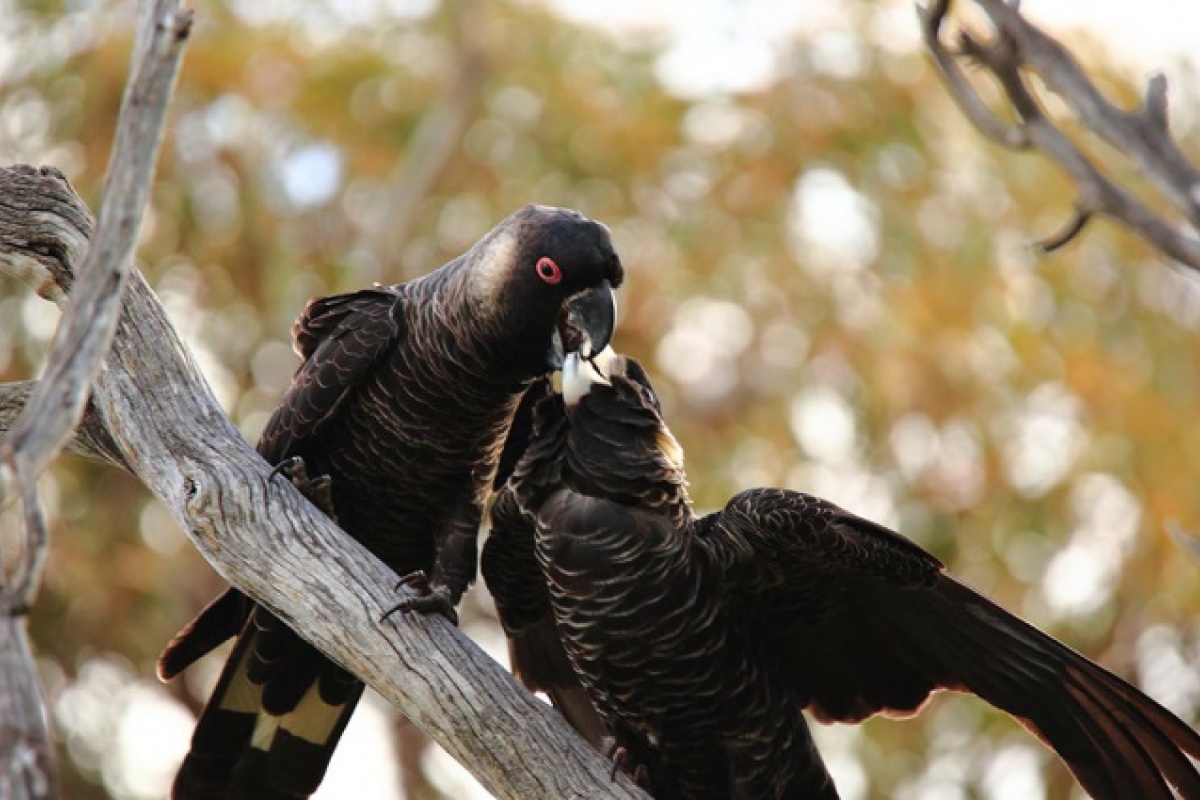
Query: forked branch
(1013,51)
(56,404)
(152,413)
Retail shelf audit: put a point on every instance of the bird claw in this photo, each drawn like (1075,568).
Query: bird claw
(426,598)
(622,760)
(416,580)
(318,490)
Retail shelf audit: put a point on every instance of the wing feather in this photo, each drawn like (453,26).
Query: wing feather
(519,431)
(536,652)
(341,338)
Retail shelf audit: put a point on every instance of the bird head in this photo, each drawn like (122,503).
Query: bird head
(544,278)
(618,445)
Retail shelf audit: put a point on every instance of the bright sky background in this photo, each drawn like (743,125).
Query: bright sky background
(722,40)
(729,45)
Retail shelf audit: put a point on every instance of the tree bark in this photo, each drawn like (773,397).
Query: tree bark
(26,753)
(56,403)
(90,439)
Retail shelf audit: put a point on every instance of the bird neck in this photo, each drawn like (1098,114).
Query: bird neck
(628,457)
(482,347)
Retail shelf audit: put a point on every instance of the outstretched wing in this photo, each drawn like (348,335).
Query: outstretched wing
(341,339)
(871,623)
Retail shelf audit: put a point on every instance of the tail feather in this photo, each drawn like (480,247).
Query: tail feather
(223,731)
(305,741)
(289,755)
(222,619)
(248,743)
(250,781)
(284,664)
(540,662)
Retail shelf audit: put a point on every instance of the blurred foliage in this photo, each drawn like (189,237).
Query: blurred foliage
(829,275)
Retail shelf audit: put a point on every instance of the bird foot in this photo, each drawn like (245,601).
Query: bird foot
(318,490)
(622,759)
(427,598)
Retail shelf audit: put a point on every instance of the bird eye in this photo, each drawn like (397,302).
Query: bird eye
(548,271)
(649,397)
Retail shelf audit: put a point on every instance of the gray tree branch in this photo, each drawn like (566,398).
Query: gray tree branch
(26,753)
(1013,52)
(56,404)
(267,540)
(90,439)
(88,323)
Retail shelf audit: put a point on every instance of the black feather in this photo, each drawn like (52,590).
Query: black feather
(535,649)
(222,619)
(404,400)
(701,640)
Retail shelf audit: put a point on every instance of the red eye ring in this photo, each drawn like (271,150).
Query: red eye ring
(548,271)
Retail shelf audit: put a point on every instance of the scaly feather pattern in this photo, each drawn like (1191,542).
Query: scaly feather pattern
(535,650)
(701,640)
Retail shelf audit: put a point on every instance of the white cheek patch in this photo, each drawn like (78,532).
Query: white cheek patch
(493,267)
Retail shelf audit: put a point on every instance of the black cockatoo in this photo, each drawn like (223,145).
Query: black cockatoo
(404,400)
(701,640)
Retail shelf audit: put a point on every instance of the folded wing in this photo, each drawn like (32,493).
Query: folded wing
(536,652)
(341,339)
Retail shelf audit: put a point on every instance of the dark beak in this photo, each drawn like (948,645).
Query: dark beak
(585,326)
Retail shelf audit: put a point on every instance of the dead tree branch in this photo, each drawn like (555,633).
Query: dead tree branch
(1012,52)
(26,754)
(90,439)
(88,323)
(57,402)
(269,542)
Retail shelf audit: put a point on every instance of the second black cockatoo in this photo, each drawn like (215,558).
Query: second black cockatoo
(701,640)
